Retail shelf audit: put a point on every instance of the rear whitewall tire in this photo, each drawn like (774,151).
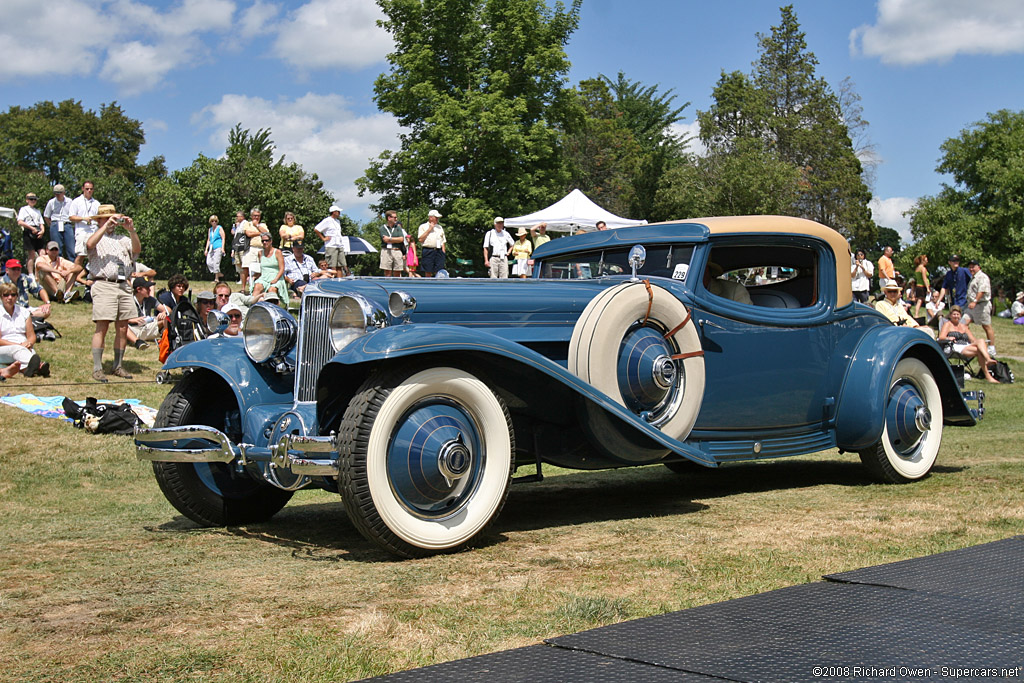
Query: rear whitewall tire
(884,459)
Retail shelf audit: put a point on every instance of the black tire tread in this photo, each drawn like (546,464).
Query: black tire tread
(180,483)
(352,439)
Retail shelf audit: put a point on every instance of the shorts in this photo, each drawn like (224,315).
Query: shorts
(979,314)
(336,257)
(112,301)
(81,237)
(392,259)
(31,242)
(251,260)
(431,260)
(146,331)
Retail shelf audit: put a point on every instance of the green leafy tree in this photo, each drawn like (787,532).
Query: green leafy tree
(981,214)
(784,113)
(601,150)
(64,143)
(479,87)
(173,220)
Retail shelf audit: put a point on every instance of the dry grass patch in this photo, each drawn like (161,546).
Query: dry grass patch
(101,580)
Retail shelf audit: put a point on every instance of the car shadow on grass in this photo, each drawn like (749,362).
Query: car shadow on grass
(321,531)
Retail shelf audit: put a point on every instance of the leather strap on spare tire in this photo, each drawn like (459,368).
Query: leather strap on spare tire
(639,345)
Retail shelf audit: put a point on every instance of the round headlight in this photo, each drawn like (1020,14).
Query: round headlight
(268,332)
(217,322)
(352,316)
(401,303)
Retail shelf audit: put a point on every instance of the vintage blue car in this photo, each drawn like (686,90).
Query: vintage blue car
(706,341)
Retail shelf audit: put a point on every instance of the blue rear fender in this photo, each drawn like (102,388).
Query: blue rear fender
(253,384)
(346,370)
(860,414)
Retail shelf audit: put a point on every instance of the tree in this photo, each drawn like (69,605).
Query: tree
(783,113)
(172,222)
(981,215)
(600,149)
(479,86)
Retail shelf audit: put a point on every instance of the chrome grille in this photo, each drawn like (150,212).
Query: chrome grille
(314,344)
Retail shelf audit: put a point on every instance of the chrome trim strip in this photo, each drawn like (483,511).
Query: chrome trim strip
(148,445)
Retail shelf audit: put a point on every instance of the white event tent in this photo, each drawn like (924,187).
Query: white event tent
(573,213)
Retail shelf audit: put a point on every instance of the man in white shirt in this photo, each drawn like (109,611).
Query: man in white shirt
(431,238)
(497,242)
(58,214)
(979,296)
(83,212)
(861,271)
(299,268)
(33,231)
(329,230)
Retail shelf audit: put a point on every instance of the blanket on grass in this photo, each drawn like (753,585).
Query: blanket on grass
(50,406)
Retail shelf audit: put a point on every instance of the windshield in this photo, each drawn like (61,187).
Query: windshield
(663,260)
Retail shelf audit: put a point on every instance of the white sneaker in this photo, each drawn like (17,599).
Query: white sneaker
(991,350)
(70,296)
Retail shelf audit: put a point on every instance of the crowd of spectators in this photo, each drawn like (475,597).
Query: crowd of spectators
(952,302)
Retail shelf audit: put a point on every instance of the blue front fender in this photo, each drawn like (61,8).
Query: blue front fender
(253,384)
(860,415)
(422,339)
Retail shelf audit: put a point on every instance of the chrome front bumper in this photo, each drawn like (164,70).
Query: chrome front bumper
(196,444)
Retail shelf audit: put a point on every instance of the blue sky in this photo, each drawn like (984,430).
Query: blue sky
(191,69)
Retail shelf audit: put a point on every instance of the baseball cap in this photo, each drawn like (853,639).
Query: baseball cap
(231,308)
(52,245)
(954,257)
(499,219)
(334,207)
(141,282)
(973,262)
(58,188)
(13,263)
(434,212)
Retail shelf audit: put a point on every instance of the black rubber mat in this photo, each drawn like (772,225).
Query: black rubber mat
(544,663)
(955,616)
(798,633)
(992,572)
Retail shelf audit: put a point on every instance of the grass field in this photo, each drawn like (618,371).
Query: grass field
(102,580)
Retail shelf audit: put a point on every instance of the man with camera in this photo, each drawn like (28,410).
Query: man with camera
(111,255)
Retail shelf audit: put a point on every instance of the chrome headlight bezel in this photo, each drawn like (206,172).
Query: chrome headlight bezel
(401,305)
(353,316)
(268,332)
(217,322)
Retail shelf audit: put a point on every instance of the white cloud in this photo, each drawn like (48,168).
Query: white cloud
(256,19)
(42,57)
(155,124)
(690,132)
(919,31)
(319,132)
(889,214)
(333,34)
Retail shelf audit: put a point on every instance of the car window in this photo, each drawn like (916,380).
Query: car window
(773,276)
(663,260)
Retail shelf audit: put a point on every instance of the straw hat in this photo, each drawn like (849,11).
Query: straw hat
(106,211)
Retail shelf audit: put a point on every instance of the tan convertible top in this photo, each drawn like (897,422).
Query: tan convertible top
(795,226)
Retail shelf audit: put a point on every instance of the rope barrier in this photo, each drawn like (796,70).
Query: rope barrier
(5,385)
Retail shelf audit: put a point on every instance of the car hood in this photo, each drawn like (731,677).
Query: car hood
(516,309)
